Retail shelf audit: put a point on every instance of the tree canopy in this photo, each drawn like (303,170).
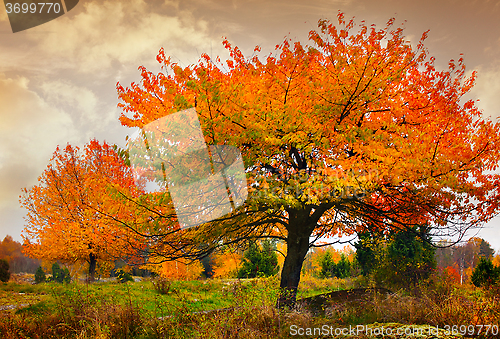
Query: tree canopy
(359,128)
(72,212)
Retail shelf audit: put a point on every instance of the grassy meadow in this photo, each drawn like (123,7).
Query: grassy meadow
(237,309)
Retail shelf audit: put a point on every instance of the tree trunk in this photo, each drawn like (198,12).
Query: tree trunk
(92,266)
(297,247)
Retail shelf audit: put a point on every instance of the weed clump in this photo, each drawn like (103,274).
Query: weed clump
(161,285)
(123,276)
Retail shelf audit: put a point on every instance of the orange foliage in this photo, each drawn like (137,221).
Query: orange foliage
(452,274)
(9,248)
(72,211)
(496,260)
(178,269)
(354,101)
(11,251)
(358,129)
(226,264)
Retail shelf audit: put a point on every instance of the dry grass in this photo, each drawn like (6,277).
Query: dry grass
(253,314)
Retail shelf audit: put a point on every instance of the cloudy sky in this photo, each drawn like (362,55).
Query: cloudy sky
(58,80)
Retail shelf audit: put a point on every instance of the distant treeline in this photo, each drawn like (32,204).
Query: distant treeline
(10,250)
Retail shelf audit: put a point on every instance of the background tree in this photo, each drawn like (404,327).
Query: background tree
(179,269)
(342,269)
(465,256)
(227,264)
(4,270)
(326,265)
(322,262)
(258,261)
(485,249)
(310,121)
(40,275)
(410,256)
(72,212)
(485,274)
(460,259)
(444,254)
(208,263)
(11,251)
(60,275)
(401,259)
(370,251)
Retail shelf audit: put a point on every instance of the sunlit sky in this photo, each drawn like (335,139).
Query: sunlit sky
(58,80)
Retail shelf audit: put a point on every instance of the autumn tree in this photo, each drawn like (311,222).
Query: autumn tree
(40,275)
(370,251)
(485,249)
(71,212)
(326,265)
(177,269)
(359,128)
(465,256)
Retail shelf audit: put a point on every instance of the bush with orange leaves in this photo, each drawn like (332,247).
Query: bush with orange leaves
(227,264)
(177,269)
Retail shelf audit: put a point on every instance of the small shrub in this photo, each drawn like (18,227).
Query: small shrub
(123,277)
(40,275)
(4,270)
(60,275)
(162,285)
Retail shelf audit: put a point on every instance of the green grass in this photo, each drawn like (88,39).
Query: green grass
(133,309)
(195,296)
(137,310)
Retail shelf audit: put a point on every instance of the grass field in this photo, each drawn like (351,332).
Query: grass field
(230,309)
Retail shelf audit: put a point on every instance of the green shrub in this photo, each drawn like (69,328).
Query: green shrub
(401,259)
(40,275)
(259,262)
(485,274)
(326,265)
(161,285)
(123,277)
(4,270)
(60,275)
